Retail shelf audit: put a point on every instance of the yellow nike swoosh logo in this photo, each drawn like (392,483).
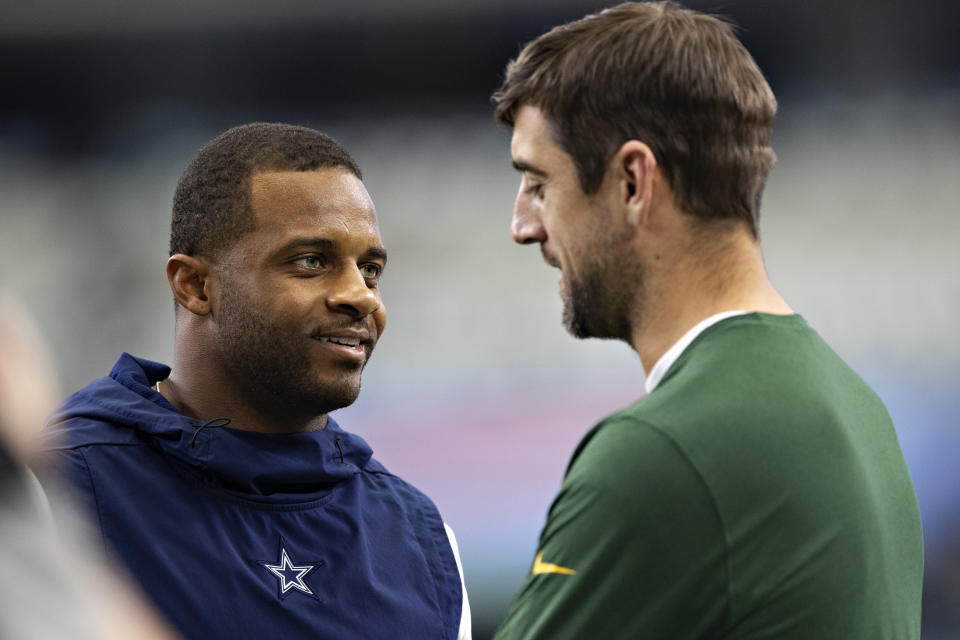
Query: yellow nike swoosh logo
(539,566)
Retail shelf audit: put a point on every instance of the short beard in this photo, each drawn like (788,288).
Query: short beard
(602,300)
(271,367)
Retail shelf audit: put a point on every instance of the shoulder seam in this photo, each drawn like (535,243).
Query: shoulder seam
(85,445)
(379,472)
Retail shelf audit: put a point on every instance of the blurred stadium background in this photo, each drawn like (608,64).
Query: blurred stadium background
(476,394)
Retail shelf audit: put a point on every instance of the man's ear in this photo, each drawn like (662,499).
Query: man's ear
(635,167)
(188,277)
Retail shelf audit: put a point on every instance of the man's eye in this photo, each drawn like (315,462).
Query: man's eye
(309,262)
(535,190)
(370,271)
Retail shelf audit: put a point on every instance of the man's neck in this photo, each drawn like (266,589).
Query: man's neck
(201,391)
(698,285)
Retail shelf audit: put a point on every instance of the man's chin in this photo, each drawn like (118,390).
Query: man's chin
(573,321)
(572,324)
(328,396)
(582,325)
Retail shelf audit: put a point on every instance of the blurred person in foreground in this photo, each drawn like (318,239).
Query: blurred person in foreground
(242,508)
(759,490)
(52,587)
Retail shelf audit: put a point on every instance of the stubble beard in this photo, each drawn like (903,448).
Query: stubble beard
(602,299)
(272,367)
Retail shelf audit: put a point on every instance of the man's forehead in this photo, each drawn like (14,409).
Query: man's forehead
(328,191)
(532,136)
(331,182)
(525,128)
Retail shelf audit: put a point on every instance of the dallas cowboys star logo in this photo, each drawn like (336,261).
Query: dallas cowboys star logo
(291,576)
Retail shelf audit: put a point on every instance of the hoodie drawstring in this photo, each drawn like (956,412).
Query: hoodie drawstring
(213,424)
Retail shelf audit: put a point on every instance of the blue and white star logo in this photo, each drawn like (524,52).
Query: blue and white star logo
(291,576)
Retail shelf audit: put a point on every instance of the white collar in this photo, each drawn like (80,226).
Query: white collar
(668,358)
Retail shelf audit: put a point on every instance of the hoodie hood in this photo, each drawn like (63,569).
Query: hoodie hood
(123,409)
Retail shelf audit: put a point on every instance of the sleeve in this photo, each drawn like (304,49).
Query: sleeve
(465,631)
(66,482)
(633,546)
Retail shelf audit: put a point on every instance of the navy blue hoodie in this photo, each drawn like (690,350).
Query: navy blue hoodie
(236,534)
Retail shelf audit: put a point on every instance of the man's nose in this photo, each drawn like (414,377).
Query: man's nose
(351,294)
(526,226)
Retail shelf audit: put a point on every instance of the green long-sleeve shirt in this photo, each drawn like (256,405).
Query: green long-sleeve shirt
(758,492)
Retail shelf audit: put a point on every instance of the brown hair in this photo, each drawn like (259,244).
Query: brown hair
(675,79)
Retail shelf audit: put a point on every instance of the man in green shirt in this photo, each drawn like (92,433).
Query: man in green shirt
(758,490)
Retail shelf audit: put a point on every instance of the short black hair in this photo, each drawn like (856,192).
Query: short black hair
(212,206)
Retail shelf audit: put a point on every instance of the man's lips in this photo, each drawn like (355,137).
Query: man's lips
(349,344)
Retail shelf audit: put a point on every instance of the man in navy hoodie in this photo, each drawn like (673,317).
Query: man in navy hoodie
(222,484)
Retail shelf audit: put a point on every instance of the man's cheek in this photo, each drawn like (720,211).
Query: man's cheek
(380,319)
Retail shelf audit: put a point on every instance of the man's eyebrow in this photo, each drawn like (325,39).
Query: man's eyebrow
(526,167)
(326,244)
(376,253)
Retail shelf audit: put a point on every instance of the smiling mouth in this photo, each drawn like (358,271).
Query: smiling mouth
(343,348)
(347,342)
